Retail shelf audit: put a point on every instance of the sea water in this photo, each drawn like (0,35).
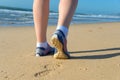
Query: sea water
(13,15)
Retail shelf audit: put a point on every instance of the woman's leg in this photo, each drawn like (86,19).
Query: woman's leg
(66,11)
(40,13)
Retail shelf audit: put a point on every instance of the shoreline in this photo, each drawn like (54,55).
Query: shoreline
(56,24)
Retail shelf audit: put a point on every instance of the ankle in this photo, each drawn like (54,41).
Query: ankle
(42,44)
(63,29)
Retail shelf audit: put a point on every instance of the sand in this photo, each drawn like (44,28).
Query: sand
(94,48)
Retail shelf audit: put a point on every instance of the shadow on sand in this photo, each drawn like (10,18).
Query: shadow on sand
(96,56)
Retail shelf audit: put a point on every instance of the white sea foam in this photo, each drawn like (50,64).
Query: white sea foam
(98,16)
(21,17)
(15,11)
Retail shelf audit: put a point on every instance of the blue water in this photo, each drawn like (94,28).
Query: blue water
(13,12)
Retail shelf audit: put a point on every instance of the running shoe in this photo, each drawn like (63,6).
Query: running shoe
(58,40)
(41,51)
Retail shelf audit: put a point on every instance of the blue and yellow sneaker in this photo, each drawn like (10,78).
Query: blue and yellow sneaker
(58,40)
(41,51)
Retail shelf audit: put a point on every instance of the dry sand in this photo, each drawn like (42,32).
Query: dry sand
(95,51)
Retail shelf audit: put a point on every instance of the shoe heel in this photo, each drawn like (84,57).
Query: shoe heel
(58,45)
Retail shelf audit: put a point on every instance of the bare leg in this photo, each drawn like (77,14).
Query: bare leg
(66,11)
(58,40)
(40,13)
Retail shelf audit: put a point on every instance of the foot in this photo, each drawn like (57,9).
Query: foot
(59,41)
(41,51)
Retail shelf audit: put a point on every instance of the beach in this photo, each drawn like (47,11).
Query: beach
(94,50)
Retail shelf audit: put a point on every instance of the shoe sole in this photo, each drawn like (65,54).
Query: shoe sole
(58,45)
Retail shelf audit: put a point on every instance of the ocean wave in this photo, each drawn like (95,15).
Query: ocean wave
(97,16)
(24,17)
(24,11)
(14,11)
(15,8)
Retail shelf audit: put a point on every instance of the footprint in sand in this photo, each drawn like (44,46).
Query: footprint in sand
(41,73)
(47,69)
(3,74)
(84,69)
